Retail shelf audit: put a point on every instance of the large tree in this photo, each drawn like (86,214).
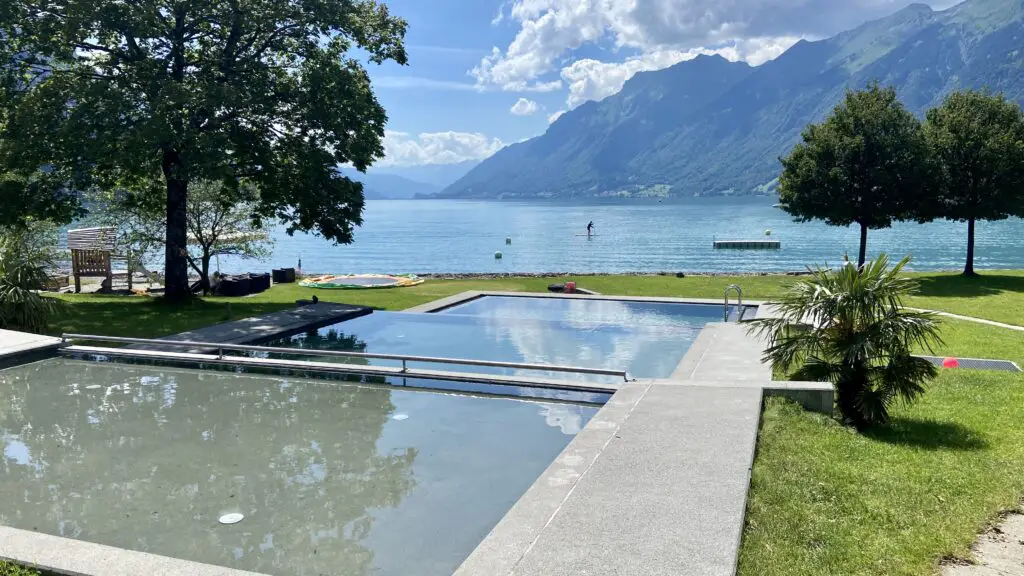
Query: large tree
(977,140)
(113,92)
(866,164)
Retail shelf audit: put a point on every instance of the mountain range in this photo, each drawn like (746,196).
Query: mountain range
(403,182)
(709,126)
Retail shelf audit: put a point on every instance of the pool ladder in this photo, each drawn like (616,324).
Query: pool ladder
(739,302)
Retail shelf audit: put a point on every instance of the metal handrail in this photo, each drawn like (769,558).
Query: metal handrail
(739,300)
(307,352)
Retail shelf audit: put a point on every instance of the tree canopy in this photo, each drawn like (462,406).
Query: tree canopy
(866,164)
(119,94)
(977,140)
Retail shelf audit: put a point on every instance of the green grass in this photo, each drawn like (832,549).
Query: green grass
(824,500)
(8,569)
(994,296)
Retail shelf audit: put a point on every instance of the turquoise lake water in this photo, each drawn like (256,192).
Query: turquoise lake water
(400,236)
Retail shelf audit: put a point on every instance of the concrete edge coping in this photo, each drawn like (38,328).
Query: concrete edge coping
(516,533)
(69,557)
(463,297)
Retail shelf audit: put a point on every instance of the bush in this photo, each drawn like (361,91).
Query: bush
(26,254)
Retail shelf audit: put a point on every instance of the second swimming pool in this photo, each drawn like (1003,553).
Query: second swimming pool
(647,339)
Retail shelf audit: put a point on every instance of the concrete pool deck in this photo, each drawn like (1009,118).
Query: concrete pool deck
(266,327)
(21,347)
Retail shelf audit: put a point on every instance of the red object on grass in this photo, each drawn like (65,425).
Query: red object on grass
(950,363)
(570,287)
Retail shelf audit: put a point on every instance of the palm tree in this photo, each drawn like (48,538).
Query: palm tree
(24,258)
(849,327)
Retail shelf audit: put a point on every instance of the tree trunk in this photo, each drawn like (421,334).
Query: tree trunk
(863,246)
(176,286)
(849,389)
(969,267)
(204,279)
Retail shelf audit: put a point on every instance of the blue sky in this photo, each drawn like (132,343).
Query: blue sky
(487,73)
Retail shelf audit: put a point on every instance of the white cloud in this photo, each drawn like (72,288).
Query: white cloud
(404,149)
(590,79)
(524,107)
(555,116)
(549,30)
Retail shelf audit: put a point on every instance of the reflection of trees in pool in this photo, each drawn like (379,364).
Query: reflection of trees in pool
(329,339)
(151,462)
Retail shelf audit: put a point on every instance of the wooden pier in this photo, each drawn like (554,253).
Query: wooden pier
(748,244)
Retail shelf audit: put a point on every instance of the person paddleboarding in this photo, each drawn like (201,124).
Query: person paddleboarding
(590,228)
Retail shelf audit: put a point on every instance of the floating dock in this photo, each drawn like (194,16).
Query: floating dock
(748,244)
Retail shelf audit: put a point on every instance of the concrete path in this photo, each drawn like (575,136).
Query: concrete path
(724,352)
(972,319)
(999,552)
(656,484)
(266,327)
(19,347)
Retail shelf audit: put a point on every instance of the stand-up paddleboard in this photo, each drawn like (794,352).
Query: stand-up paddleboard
(588,235)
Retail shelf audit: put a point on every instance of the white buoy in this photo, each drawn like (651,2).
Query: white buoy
(231,518)
(497,255)
(400,417)
(508,241)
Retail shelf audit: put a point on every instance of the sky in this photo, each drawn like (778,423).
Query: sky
(483,74)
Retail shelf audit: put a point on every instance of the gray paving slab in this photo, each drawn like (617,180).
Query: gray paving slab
(268,326)
(666,494)
(17,347)
(65,556)
(724,352)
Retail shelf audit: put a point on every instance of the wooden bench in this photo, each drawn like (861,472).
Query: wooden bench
(90,254)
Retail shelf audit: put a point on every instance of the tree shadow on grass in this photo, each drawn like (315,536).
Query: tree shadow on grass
(143,317)
(928,434)
(962,286)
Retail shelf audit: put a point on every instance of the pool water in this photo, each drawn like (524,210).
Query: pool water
(646,339)
(590,311)
(332,478)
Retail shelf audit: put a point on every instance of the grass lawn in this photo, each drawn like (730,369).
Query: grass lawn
(824,500)
(827,501)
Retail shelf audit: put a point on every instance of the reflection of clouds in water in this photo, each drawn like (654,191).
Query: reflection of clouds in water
(572,341)
(563,416)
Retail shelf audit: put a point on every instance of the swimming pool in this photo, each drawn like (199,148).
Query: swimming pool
(590,311)
(647,339)
(332,478)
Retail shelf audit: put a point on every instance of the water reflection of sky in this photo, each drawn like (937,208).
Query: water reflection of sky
(331,477)
(646,339)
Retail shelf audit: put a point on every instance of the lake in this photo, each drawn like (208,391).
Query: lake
(437,236)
